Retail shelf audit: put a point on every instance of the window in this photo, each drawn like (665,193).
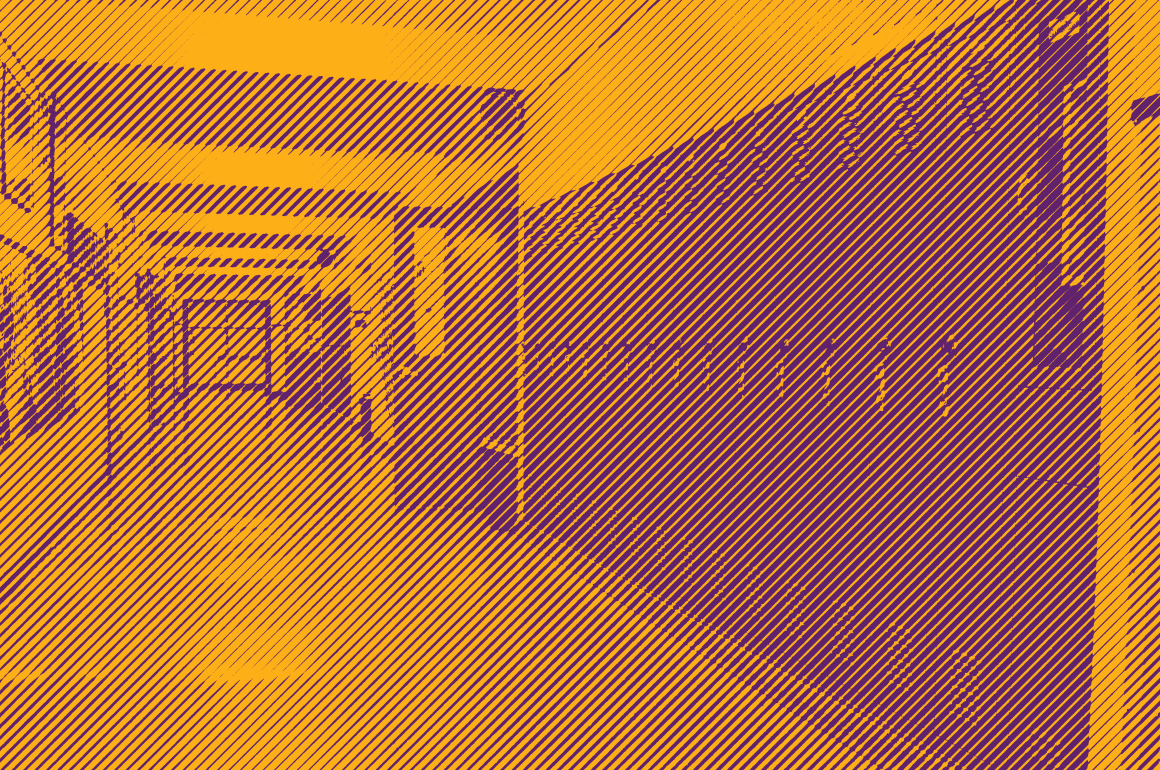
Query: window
(502,113)
(801,139)
(1059,316)
(976,82)
(1062,208)
(1067,26)
(16,142)
(430,338)
(226,345)
(850,133)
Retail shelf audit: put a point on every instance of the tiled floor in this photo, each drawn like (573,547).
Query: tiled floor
(284,614)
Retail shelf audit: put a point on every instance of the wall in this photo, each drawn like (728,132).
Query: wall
(744,395)
(1133,541)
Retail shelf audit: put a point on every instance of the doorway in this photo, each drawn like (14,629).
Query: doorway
(318,357)
(226,346)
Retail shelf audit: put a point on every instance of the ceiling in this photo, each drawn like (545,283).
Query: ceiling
(605,83)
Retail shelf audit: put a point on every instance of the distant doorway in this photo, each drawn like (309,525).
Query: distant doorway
(226,345)
(318,359)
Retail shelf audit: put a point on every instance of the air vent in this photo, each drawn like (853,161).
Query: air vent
(678,188)
(844,629)
(965,688)
(605,214)
(797,623)
(720,177)
(629,204)
(502,113)
(572,226)
(762,164)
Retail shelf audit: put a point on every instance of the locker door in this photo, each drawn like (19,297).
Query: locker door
(334,355)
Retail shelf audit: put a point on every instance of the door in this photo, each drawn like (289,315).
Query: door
(226,345)
(1052,501)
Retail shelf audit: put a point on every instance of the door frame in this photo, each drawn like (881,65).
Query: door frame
(267,348)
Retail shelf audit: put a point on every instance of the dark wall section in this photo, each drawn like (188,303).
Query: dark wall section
(792,378)
(184,105)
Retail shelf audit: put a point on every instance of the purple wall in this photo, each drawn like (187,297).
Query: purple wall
(931,566)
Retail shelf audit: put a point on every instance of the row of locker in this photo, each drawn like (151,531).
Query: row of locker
(827,537)
(730,366)
(719,500)
(926,559)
